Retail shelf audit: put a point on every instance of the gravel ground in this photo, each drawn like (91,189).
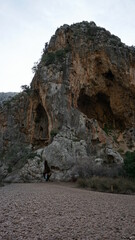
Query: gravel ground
(59,211)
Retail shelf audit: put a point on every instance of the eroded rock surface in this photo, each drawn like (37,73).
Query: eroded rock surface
(79,108)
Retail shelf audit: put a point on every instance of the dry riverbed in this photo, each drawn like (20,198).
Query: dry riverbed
(49,211)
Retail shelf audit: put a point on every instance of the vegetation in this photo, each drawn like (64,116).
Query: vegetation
(107,129)
(35,67)
(9,169)
(60,55)
(89,169)
(17,156)
(115,180)
(48,58)
(7,96)
(91,32)
(129,164)
(53,132)
(104,184)
(52,57)
(8,99)
(7,103)
(26,89)
(1,184)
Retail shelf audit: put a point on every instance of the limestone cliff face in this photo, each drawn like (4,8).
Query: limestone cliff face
(80,108)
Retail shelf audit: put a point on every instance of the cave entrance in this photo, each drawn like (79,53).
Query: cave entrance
(41,126)
(98,107)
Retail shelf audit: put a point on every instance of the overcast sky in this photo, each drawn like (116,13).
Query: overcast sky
(25,26)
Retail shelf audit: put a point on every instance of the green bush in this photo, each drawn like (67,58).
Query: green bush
(9,169)
(60,55)
(35,67)
(26,89)
(91,32)
(52,57)
(105,184)
(129,164)
(87,169)
(67,49)
(53,132)
(48,58)
(7,103)
(17,156)
(82,182)
(107,128)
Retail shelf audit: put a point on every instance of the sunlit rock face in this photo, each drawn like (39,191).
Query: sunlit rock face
(78,112)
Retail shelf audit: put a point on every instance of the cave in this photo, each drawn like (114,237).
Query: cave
(98,107)
(41,126)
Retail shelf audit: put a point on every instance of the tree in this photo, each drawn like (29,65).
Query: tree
(35,67)
(25,88)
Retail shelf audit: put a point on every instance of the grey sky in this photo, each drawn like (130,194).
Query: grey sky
(25,26)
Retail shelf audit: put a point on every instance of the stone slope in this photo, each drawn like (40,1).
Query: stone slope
(79,111)
(6,95)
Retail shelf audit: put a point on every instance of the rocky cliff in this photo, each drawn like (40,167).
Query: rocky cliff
(78,112)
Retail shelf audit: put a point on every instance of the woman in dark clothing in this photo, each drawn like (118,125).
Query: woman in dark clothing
(47,171)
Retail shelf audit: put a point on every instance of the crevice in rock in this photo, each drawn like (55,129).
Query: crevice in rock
(41,136)
(55,168)
(98,107)
(109,75)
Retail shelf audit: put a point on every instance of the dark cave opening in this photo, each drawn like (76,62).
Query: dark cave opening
(41,126)
(109,75)
(98,107)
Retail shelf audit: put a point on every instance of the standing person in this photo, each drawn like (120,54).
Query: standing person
(47,171)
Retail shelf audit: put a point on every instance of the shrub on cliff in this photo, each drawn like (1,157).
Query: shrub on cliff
(48,58)
(53,133)
(26,89)
(35,67)
(60,55)
(52,57)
